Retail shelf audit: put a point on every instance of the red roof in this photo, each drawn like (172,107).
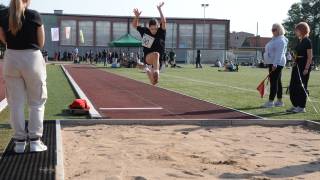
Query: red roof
(256,41)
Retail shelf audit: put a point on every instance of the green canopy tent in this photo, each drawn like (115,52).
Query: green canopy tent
(126,41)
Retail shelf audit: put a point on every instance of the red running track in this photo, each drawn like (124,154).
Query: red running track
(107,90)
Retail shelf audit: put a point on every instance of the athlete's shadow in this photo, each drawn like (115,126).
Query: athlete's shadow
(249,108)
(275,114)
(285,172)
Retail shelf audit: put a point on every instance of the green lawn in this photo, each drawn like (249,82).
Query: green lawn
(60,95)
(235,90)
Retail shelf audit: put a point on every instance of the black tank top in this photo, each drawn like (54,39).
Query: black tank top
(26,38)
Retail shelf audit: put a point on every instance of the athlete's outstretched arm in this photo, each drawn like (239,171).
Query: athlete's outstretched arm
(137,14)
(163,19)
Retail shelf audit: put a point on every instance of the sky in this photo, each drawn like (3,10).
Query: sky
(243,14)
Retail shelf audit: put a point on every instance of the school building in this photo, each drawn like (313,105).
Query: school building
(95,32)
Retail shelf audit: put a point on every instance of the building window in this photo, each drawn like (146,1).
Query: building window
(119,29)
(171,38)
(134,32)
(186,36)
(218,36)
(68,39)
(103,33)
(85,33)
(202,36)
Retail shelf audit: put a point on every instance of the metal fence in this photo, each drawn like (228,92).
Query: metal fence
(207,56)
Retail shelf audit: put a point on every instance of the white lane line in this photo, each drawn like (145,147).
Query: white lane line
(221,85)
(124,109)
(211,83)
(3,104)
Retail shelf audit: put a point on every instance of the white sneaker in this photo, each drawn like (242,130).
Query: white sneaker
(268,104)
(299,110)
(19,147)
(279,104)
(37,146)
(147,68)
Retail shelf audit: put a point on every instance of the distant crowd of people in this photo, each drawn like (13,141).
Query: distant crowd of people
(125,58)
(119,58)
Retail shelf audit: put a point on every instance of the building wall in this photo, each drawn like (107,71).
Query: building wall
(237,39)
(50,22)
(184,35)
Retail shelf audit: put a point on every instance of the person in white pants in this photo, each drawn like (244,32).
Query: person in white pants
(24,72)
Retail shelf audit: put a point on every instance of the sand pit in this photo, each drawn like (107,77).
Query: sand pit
(190,152)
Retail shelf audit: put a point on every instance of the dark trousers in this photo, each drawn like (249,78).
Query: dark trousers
(275,83)
(198,63)
(298,96)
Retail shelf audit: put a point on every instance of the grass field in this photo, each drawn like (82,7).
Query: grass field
(60,95)
(232,89)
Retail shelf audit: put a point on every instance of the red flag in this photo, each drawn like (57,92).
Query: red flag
(261,87)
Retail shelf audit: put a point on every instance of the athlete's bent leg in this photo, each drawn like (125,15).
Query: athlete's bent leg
(153,59)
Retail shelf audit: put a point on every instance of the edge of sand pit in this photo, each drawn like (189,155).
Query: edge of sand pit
(196,122)
(3,104)
(313,125)
(59,152)
(93,112)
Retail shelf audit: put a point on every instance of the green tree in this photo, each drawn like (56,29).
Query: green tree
(307,11)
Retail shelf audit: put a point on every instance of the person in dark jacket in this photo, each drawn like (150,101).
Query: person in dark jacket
(198,59)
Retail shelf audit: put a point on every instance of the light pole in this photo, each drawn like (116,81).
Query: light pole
(172,39)
(257,36)
(204,6)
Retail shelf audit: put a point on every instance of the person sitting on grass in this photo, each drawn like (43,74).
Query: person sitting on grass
(218,64)
(153,42)
(230,67)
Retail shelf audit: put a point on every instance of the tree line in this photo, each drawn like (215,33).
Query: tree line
(307,11)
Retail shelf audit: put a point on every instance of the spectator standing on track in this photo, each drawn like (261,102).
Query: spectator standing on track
(109,60)
(59,55)
(275,58)
(91,56)
(22,30)
(87,56)
(76,55)
(105,57)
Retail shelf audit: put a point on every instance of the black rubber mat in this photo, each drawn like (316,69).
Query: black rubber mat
(31,166)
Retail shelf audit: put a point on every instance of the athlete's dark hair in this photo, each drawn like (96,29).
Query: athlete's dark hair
(153,22)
